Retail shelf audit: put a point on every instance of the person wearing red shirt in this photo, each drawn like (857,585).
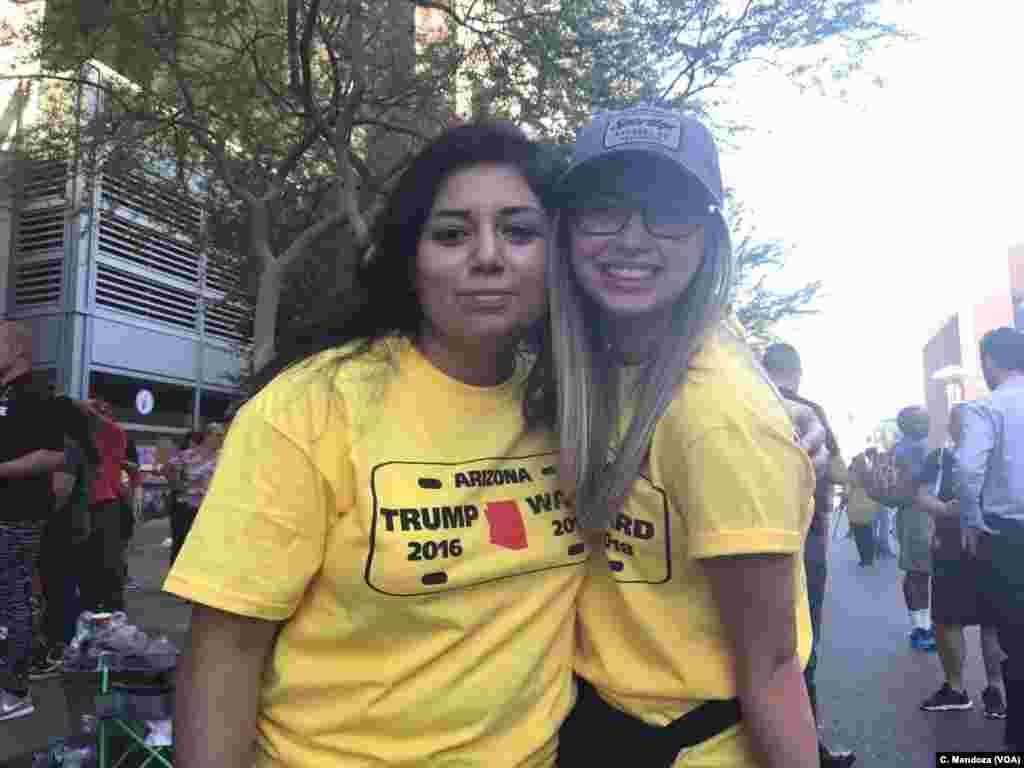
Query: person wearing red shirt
(103,580)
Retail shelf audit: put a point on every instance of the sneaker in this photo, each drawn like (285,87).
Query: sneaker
(946,699)
(12,706)
(995,707)
(922,639)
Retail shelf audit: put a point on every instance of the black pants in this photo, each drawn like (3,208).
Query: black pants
(182,517)
(1001,572)
(864,535)
(595,728)
(57,571)
(103,572)
(817,580)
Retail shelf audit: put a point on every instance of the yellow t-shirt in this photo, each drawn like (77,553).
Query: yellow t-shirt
(726,477)
(408,531)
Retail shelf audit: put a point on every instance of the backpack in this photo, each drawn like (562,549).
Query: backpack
(884,482)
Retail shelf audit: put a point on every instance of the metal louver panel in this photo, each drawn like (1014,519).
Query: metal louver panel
(222,272)
(40,231)
(148,248)
(134,196)
(132,294)
(229,319)
(38,283)
(45,179)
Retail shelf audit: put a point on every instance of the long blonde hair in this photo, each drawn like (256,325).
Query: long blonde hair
(586,376)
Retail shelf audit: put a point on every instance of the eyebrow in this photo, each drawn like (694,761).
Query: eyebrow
(457,213)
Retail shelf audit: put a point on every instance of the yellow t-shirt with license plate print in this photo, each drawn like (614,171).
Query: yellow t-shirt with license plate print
(410,534)
(725,476)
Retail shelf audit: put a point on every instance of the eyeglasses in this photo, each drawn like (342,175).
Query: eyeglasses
(669,221)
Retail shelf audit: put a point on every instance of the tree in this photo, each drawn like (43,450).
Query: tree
(757,306)
(299,114)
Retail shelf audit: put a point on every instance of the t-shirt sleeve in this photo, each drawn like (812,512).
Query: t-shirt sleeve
(260,535)
(743,494)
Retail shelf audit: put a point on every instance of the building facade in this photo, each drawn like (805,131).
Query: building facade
(121,301)
(951,362)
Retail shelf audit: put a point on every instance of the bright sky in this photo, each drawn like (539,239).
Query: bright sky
(904,199)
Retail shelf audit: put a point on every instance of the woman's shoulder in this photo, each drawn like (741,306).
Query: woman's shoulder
(724,388)
(314,394)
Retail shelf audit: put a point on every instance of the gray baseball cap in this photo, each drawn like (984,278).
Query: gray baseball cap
(682,140)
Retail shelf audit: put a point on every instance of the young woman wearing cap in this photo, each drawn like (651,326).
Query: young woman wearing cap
(684,464)
(382,569)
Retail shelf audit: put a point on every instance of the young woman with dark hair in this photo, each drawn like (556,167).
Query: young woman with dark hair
(383,572)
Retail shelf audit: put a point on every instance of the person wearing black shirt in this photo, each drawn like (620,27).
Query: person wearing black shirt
(957,598)
(31,449)
(63,535)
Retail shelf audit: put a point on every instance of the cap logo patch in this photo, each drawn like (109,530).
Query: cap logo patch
(647,129)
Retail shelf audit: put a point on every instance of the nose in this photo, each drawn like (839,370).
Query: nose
(634,236)
(488,253)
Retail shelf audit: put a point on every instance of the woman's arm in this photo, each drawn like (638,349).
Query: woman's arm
(218,689)
(757,605)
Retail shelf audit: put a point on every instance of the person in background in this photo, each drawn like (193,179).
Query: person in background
(914,524)
(31,450)
(861,510)
(992,506)
(883,520)
(956,598)
(66,530)
(103,581)
(130,479)
(190,472)
(181,514)
(782,362)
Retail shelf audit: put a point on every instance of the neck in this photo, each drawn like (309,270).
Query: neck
(18,368)
(635,339)
(481,364)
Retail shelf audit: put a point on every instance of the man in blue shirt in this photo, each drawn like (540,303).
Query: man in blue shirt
(992,506)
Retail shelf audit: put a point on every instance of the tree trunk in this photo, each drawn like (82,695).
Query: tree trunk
(264,332)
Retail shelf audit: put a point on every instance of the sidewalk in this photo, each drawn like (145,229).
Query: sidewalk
(150,609)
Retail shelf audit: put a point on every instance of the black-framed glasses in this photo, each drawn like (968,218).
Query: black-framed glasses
(670,221)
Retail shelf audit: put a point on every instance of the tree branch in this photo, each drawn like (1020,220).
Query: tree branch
(301,244)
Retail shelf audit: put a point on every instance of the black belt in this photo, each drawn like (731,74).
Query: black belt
(596,728)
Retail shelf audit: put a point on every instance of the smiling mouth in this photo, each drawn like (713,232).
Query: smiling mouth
(629,271)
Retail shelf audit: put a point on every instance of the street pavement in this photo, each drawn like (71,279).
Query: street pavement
(870,682)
